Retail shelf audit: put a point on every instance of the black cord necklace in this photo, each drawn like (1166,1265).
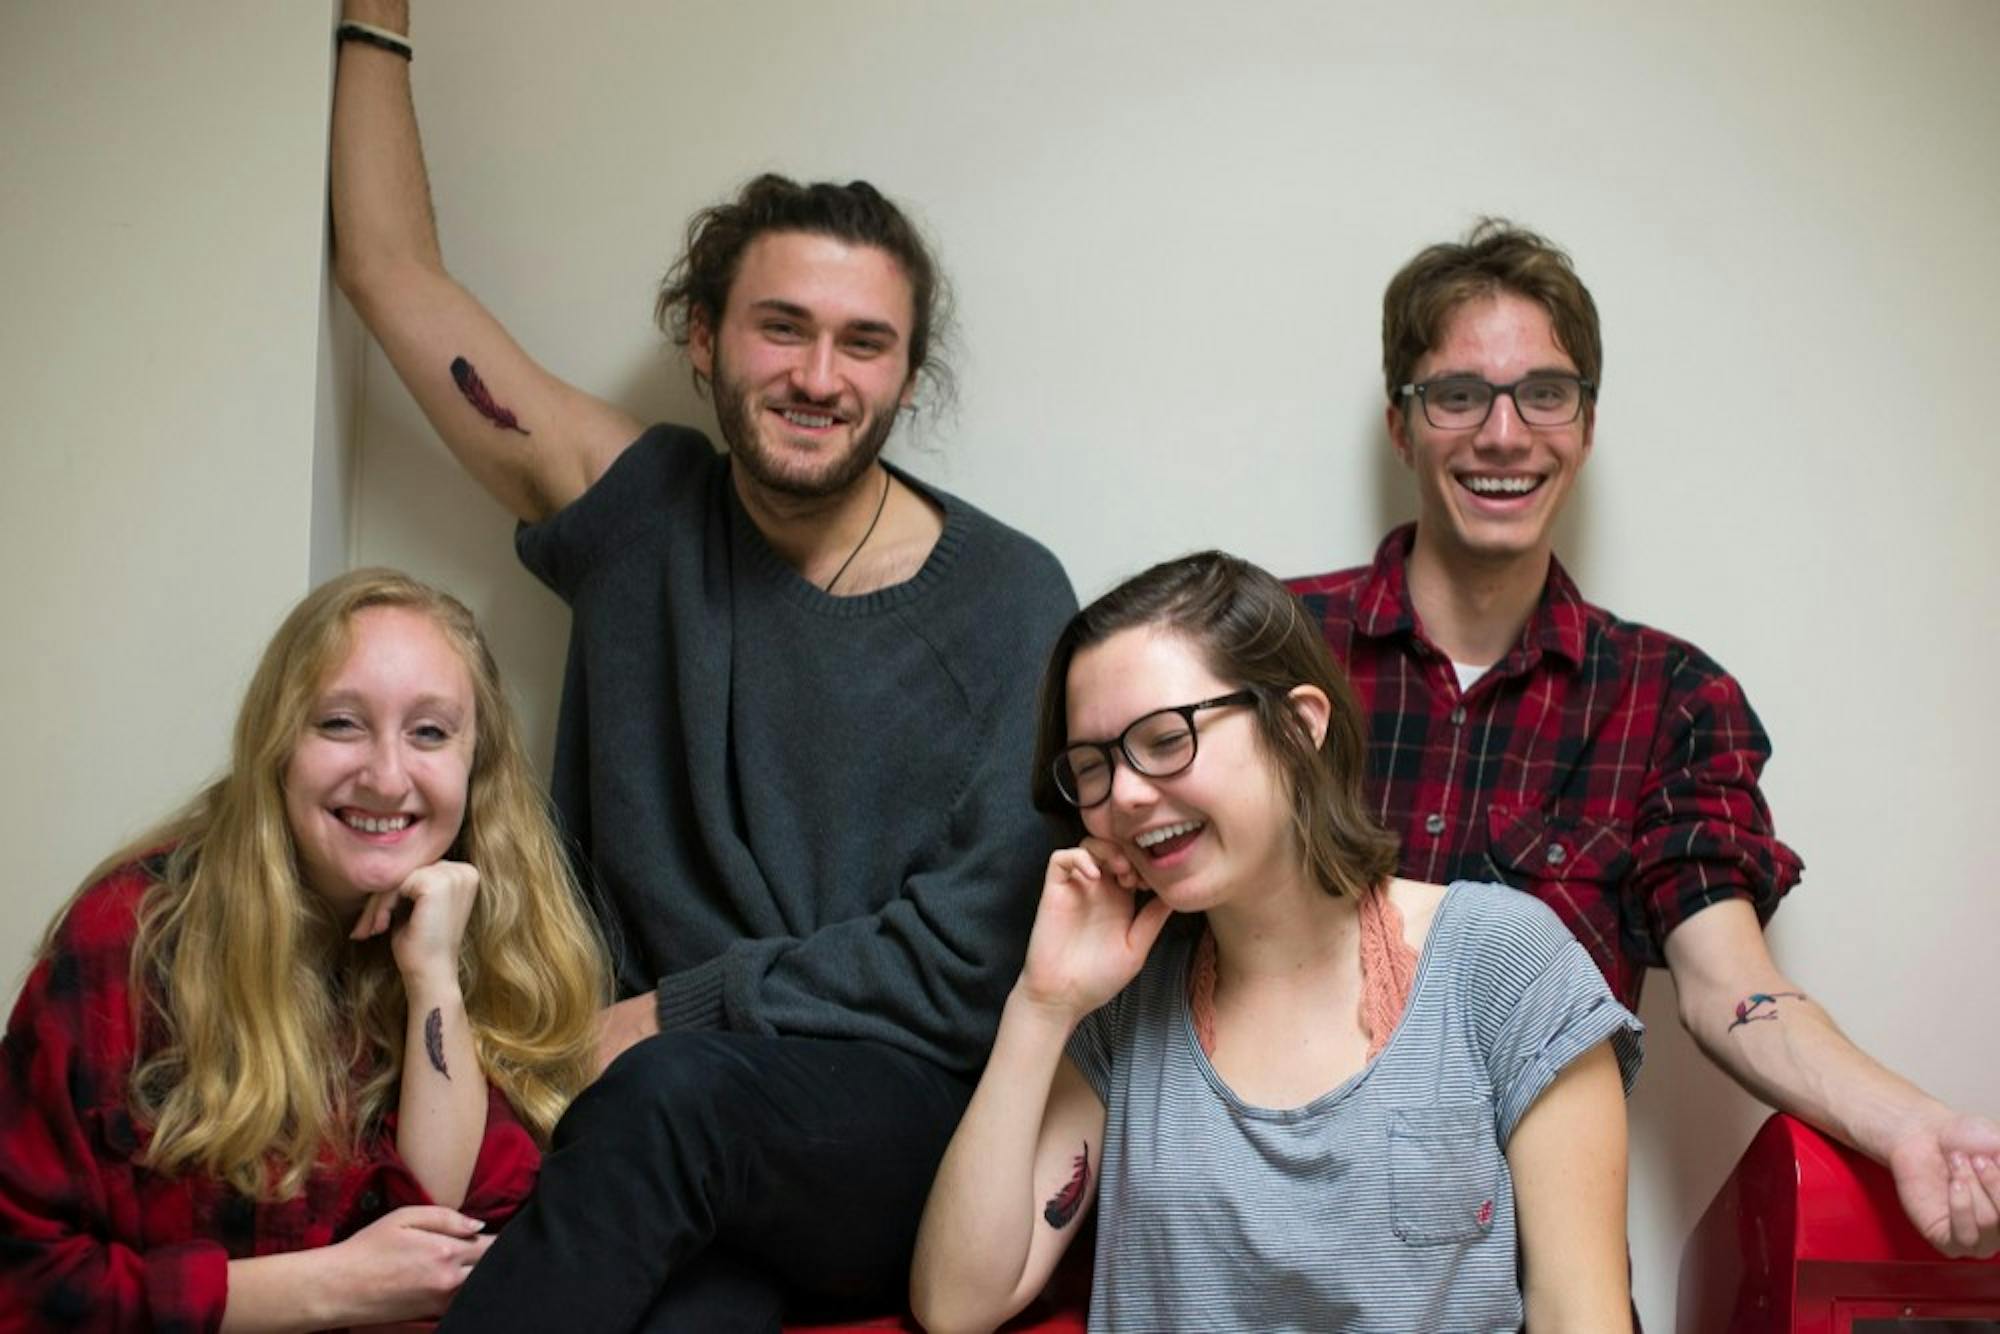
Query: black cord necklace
(880,505)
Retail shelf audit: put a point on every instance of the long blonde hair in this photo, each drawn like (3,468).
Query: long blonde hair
(270,1040)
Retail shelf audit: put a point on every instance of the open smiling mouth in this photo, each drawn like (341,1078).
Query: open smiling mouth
(1169,839)
(363,823)
(807,419)
(1501,488)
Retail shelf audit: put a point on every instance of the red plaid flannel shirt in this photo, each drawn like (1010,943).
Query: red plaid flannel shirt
(1606,768)
(91,1240)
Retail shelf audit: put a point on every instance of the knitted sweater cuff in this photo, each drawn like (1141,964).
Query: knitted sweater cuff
(692,998)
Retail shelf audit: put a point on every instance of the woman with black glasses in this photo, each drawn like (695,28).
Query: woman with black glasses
(1302,1093)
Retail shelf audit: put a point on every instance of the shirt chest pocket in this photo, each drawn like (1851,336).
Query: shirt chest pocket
(1444,1173)
(1529,847)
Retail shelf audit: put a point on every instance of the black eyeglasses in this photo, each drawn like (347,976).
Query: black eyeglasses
(1456,402)
(1159,745)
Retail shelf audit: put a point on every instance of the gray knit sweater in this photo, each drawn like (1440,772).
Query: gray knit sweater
(799,814)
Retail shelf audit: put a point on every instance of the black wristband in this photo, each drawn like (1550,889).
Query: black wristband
(375,37)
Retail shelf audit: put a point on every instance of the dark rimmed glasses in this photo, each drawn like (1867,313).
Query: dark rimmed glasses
(1159,745)
(1457,402)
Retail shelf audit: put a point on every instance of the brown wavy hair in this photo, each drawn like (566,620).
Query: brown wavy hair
(697,287)
(1495,256)
(1249,629)
(271,1040)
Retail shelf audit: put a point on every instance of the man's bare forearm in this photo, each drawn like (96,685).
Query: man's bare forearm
(1782,1045)
(1785,1048)
(1773,1037)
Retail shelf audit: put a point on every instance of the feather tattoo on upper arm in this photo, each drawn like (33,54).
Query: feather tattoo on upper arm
(1062,1205)
(476,393)
(434,1041)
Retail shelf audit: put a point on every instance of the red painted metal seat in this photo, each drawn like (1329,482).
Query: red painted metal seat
(1807,1237)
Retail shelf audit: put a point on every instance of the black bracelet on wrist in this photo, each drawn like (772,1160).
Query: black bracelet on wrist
(370,35)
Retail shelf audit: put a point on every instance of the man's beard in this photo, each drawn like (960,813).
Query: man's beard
(737,416)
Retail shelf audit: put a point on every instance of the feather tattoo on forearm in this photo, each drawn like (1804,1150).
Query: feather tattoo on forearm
(434,1041)
(1062,1205)
(1761,1005)
(476,393)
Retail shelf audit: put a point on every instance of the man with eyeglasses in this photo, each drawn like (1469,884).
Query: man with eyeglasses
(1518,732)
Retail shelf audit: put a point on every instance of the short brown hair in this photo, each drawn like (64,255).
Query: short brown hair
(1249,628)
(1496,256)
(697,287)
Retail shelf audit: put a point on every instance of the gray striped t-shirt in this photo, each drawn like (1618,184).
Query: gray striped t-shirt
(1381,1207)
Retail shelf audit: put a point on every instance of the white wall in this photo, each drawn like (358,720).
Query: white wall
(1169,224)
(161,203)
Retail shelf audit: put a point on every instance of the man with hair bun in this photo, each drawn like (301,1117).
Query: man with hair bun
(795,723)
(1519,733)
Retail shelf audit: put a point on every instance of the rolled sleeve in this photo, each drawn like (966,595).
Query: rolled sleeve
(1704,834)
(1562,1014)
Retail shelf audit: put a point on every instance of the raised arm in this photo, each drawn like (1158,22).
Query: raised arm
(1782,1045)
(1567,1158)
(1021,1170)
(533,441)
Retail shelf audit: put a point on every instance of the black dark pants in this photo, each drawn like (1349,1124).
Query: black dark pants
(707,1176)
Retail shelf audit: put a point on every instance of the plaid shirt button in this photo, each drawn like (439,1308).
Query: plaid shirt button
(1434,823)
(1556,855)
(1458,716)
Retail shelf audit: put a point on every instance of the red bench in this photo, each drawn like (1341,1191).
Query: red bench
(1808,1237)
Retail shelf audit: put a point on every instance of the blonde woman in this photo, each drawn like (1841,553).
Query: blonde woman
(281,1060)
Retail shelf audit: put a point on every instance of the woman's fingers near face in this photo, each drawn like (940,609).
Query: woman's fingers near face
(1073,864)
(376,914)
(439,877)
(1107,855)
(442,887)
(452,884)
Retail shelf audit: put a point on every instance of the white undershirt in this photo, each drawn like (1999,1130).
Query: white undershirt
(1467,674)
